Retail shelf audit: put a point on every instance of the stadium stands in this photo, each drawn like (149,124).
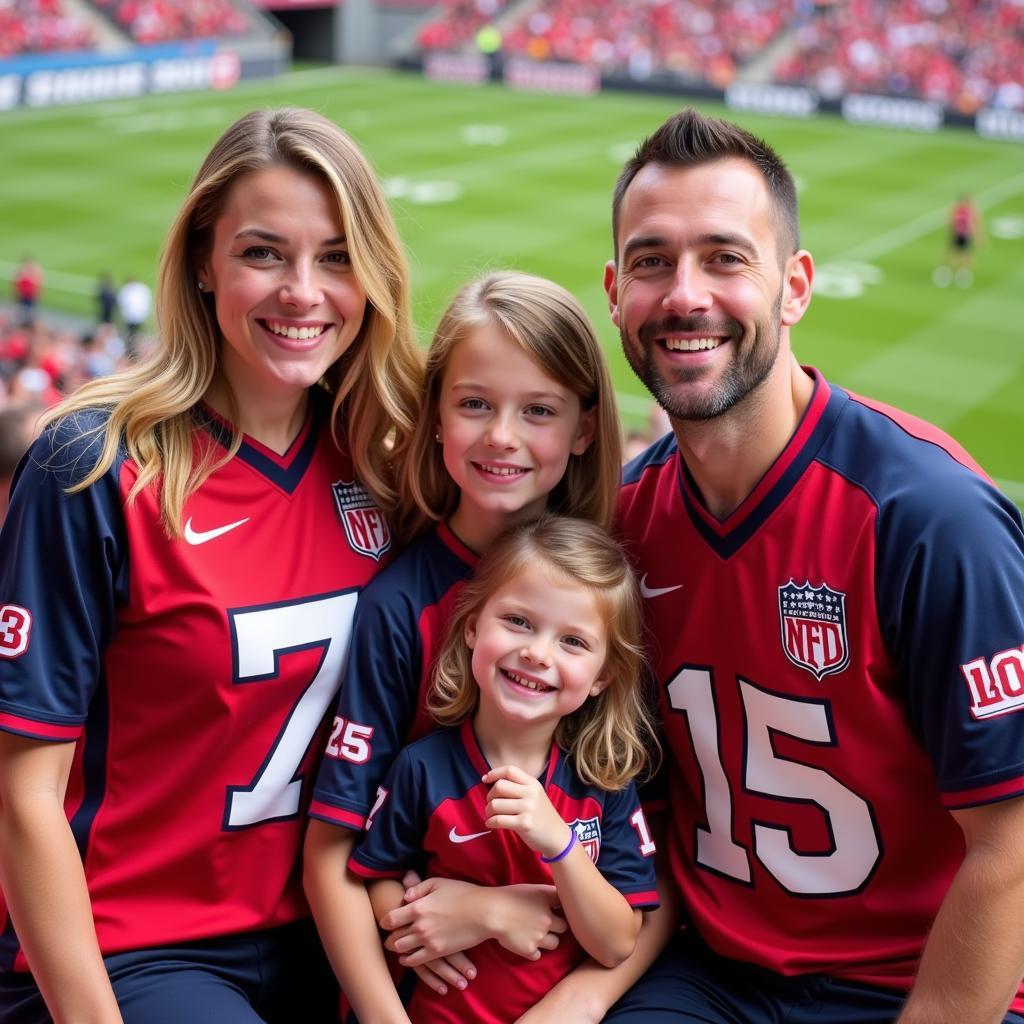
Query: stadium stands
(961,53)
(693,39)
(37,26)
(153,21)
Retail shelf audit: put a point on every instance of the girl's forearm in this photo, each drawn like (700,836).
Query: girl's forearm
(604,924)
(348,930)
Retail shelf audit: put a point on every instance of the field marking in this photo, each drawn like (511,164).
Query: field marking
(928,222)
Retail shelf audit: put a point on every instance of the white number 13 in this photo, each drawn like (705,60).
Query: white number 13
(855,848)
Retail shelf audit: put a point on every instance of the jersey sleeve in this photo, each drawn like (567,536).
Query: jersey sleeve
(376,706)
(63,571)
(951,604)
(395,833)
(626,857)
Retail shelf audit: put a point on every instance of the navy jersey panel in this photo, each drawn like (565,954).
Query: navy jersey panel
(839,663)
(950,582)
(432,820)
(68,596)
(193,674)
(402,620)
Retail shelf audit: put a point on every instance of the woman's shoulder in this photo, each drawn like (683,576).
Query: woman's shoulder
(71,445)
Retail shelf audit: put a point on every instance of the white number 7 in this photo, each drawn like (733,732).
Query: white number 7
(855,848)
(260,636)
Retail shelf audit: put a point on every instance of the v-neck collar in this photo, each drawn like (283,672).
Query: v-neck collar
(479,761)
(283,471)
(726,536)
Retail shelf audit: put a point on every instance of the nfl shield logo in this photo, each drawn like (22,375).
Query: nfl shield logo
(813,621)
(365,526)
(588,834)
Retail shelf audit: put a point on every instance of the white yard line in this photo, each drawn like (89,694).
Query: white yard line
(928,222)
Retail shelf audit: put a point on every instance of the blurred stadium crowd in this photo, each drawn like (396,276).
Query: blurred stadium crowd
(44,357)
(962,53)
(965,54)
(41,26)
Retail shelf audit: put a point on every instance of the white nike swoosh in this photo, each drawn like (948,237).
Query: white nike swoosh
(456,838)
(646,591)
(202,536)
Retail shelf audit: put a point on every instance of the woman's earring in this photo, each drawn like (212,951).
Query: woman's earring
(437,437)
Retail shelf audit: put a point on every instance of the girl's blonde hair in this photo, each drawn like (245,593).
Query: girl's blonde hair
(550,326)
(610,737)
(376,382)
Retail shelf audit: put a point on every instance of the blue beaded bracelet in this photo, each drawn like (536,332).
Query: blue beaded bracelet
(568,846)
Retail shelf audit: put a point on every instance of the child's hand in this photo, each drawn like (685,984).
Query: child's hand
(517,801)
(444,973)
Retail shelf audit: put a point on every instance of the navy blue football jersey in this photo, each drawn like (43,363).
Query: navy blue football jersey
(431,819)
(400,625)
(840,663)
(193,675)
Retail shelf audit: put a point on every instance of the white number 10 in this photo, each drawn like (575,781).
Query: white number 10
(855,848)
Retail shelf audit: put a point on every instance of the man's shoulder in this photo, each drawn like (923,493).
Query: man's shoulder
(912,470)
(892,453)
(656,458)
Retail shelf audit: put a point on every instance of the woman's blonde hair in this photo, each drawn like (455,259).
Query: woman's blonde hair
(610,737)
(549,325)
(376,382)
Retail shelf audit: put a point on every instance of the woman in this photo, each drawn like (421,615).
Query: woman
(180,565)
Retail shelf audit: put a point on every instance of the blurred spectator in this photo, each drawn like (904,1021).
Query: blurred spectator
(134,299)
(97,360)
(106,299)
(27,284)
(639,439)
(17,432)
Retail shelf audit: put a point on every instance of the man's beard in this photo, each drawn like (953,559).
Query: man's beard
(747,368)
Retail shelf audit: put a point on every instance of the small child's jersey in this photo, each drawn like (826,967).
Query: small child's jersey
(431,819)
(840,664)
(192,675)
(401,624)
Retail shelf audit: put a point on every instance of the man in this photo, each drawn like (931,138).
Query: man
(836,595)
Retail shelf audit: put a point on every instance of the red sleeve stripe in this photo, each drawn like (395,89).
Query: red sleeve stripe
(336,816)
(984,794)
(364,872)
(39,730)
(649,900)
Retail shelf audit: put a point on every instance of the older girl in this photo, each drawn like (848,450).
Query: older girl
(519,418)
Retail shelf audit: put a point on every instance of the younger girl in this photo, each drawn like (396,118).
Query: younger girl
(518,418)
(539,673)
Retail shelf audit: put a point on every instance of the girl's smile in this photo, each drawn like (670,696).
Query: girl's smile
(507,430)
(539,647)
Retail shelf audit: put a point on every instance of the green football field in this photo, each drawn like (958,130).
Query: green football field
(481,177)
